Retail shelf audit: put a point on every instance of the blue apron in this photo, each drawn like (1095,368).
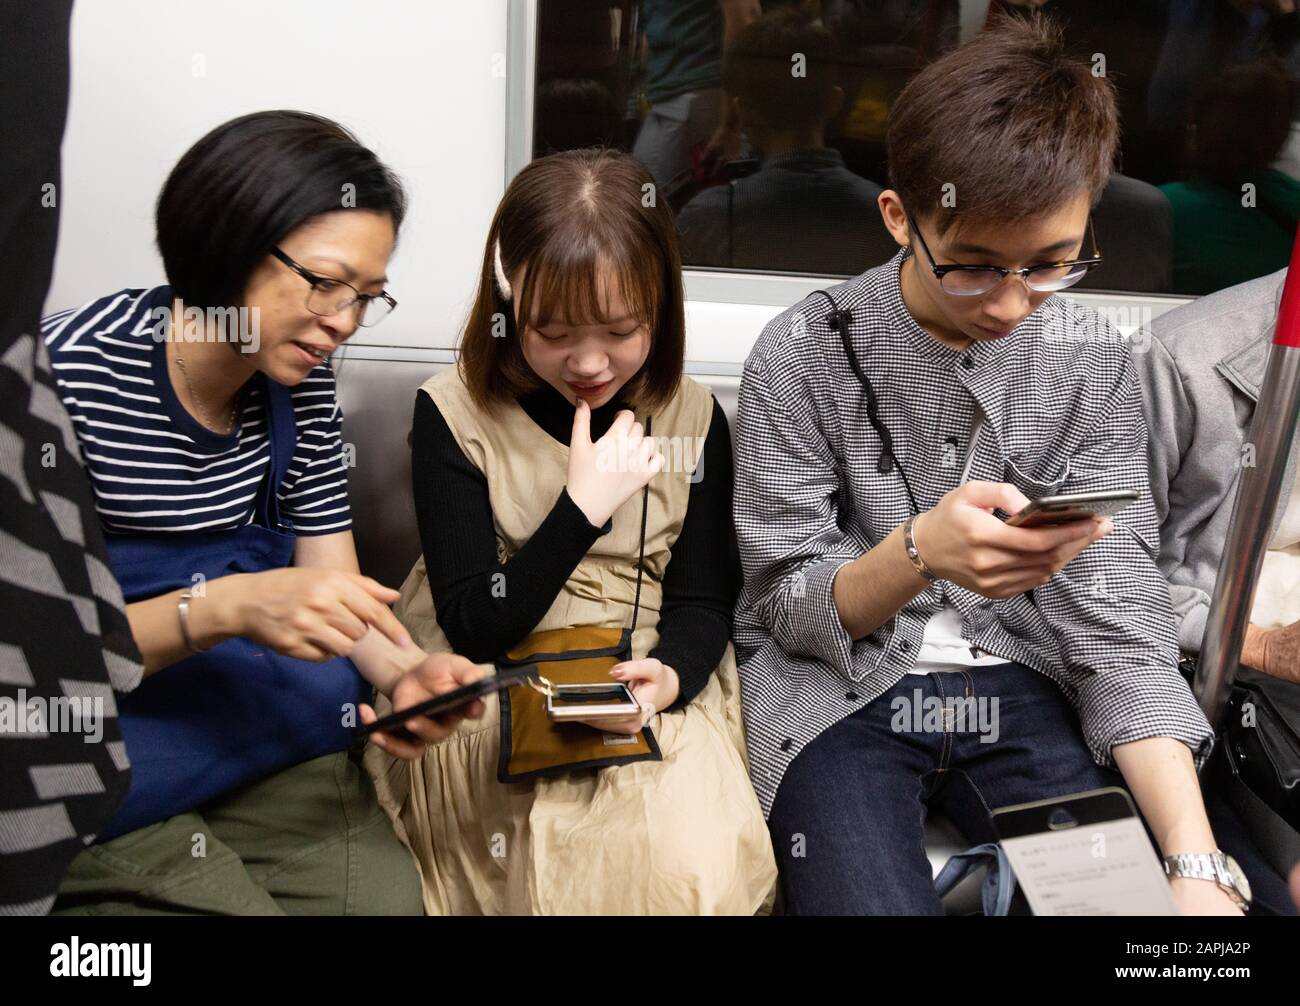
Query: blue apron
(238,712)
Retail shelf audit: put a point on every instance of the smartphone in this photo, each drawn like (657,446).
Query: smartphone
(450,700)
(1071,507)
(597,701)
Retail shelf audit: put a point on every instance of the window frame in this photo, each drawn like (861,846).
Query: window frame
(721,286)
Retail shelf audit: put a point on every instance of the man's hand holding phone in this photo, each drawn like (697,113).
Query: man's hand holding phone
(962,541)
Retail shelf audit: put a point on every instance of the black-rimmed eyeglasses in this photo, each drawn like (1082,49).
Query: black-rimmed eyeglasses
(329,296)
(973,280)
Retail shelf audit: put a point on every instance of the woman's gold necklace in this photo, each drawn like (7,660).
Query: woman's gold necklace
(203,413)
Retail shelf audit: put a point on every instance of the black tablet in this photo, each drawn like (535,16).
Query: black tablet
(451,700)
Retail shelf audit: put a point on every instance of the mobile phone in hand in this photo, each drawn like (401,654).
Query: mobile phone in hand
(449,701)
(1067,507)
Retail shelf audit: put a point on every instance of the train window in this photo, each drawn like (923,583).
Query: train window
(769,141)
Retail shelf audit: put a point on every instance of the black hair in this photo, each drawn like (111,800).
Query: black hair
(757,68)
(1241,119)
(251,181)
(573,113)
(1009,112)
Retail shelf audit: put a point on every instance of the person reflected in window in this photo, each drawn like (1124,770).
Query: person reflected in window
(687,123)
(574,112)
(803,210)
(1235,216)
(1201,39)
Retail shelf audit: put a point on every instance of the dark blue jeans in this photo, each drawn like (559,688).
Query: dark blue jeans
(848,820)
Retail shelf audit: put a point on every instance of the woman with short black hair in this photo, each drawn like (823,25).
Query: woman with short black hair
(206,413)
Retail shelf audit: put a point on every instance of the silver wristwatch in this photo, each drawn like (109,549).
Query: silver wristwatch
(1217,867)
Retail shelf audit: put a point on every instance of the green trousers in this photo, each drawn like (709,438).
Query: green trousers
(310,840)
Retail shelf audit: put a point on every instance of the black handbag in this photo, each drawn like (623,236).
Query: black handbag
(1256,766)
(1259,770)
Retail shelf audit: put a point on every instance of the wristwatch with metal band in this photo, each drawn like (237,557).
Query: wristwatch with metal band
(1217,867)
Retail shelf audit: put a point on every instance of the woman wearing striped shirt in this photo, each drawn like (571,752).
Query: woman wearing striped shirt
(275,231)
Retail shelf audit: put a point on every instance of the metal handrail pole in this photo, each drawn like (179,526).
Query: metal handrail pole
(1272,432)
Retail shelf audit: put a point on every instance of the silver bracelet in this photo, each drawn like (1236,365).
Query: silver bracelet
(909,544)
(183,610)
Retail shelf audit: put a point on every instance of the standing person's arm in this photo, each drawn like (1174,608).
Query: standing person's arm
(724,145)
(735,15)
(64,636)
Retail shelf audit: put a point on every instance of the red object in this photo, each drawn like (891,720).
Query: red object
(1287,332)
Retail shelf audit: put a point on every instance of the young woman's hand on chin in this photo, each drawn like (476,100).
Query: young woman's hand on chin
(606,474)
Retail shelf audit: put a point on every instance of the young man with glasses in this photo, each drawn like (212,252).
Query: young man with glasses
(878,437)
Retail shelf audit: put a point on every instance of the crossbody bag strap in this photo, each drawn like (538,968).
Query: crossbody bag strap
(282,432)
(640,559)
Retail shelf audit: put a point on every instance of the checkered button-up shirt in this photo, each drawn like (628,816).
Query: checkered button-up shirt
(1061,412)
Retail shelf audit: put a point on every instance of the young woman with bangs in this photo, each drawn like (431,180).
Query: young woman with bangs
(531,461)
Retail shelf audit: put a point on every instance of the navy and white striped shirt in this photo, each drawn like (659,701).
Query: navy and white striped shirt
(154,468)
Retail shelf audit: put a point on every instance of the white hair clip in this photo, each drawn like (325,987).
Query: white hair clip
(503,284)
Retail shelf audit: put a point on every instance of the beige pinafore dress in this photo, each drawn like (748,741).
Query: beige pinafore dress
(684,835)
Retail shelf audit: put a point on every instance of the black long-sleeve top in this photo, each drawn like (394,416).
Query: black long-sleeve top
(460,553)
